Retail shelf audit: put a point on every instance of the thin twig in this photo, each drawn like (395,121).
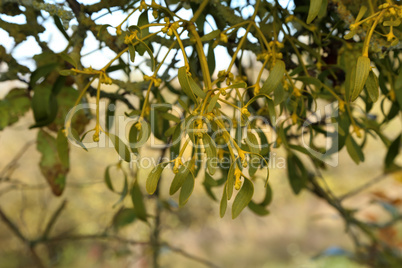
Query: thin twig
(54,218)
(362,187)
(12,164)
(12,226)
(92,237)
(190,256)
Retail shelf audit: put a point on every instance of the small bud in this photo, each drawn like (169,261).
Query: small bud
(95,137)
(155,13)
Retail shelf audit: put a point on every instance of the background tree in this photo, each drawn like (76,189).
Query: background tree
(285,63)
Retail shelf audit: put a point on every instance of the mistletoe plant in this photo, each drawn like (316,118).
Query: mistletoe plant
(336,52)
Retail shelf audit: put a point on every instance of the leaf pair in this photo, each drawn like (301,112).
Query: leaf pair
(189,86)
(274,78)
(241,200)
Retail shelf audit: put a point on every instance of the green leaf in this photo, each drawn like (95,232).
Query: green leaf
(171,117)
(182,75)
(224,203)
(243,198)
(394,23)
(124,217)
(50,164)
(68,59)
(40,103)
(186,190)
(14,105)
(297,173)
(137,138)
(209,180)
(42,71)
(362,11)
(271,111)
(195,88)
(179,179)
(66,72)
(257,209)
(308,80)
(268,196)
(120,147)
(323,10)
(354,150)
(315,6)
(138,202)
(274,78)
(362,72)
(110,112)
(211,58)
(392,153)
(154,176)
(59,26)
(238,85)
(210,36)
(279,94)
(143,20)
(108,180)
(372,87)
(183,105)
(230,180)
(73,134)
(62,148)
(131,51)
(210,150)
(102,29)
(350,35)
(213,102)
(150,53)
(253,146)
(124,192)
(265,147)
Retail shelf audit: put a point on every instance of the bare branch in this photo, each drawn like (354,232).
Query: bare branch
(190,256)
(363,187)
(54,218)
(12,226)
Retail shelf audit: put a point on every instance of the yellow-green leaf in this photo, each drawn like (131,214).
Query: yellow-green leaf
(120,147)
(362,72)
(274,78)
(153,177)
(253,146)
(186,190)
(210,36)
(178,180)
(354,150)
(230,180)
(224,203)
(212,103)
(242,198)
(50,164)
(62,148)
(210,150)
(195,88)
(182,75)
(372,86)
(362,11)
(315,6)
(138,202)
(108,181)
